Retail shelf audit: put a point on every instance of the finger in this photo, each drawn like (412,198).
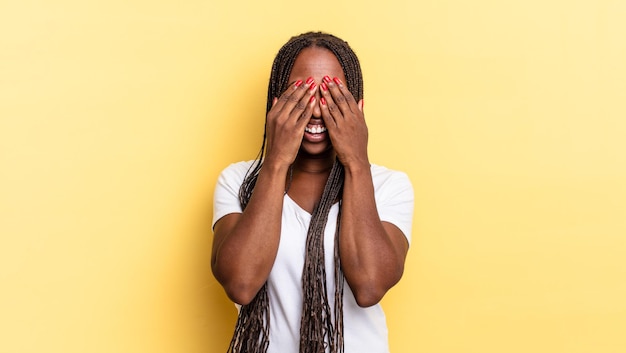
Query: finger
(304,102)
(304,117)
(327,112)
(290,94)
(300,90)
(328,104)
(341,95)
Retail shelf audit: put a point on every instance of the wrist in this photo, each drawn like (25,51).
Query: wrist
(275,165)
(355,167)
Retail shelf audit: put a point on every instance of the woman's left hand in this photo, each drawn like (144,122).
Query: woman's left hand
(345,122)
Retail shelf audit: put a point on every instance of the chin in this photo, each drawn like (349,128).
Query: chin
(317,149)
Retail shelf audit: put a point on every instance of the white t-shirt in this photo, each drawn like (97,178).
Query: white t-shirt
(365,329)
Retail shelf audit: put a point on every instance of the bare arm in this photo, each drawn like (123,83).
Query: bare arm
(372,252)
(245,244)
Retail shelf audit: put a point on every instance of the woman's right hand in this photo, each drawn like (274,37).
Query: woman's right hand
(286,121)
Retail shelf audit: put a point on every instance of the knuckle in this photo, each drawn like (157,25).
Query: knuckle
(271,118)
(279,120)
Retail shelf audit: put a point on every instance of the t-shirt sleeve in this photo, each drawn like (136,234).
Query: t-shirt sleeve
(395,200)
(226,197)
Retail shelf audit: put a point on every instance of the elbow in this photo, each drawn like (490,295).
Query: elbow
(367,298)
(368,292)
(239,291)
(240,294)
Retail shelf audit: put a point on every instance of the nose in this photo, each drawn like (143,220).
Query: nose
(317,110)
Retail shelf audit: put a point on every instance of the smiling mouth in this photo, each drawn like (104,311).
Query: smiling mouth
(315,129)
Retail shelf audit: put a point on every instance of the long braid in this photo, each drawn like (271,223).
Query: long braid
(317,325)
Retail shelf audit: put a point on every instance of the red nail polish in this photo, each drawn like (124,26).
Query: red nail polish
(298,83)
(337,80)
(313,99)
(326,78)
(309,80)
(313,85)
(324,87)
(323,100)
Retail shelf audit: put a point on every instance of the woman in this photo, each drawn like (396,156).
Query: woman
(311,214)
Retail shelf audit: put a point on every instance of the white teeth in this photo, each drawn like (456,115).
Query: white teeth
(315,129)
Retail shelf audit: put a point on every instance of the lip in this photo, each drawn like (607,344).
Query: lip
(315,137)
(314,123)
(315,129)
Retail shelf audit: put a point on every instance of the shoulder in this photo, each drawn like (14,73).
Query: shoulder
(231,177)
(394,198)
(382,175)
(238,167)
(226,195)
(237,170)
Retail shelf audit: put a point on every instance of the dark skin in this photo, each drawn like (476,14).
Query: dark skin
(245,244)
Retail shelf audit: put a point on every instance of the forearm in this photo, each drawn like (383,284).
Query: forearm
(245,245)
(372,258)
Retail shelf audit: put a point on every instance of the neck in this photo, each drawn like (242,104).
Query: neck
(314,165)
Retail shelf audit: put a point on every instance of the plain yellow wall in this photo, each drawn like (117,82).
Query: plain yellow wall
(117,116)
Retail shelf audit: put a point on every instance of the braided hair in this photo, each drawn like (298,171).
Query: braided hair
(318,329)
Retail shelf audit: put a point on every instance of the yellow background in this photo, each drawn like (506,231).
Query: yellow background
(117,116)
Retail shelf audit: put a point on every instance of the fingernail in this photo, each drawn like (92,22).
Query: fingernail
(323,100)
(324,87)
(298,83)
(309,80)
(313,85)
(337,80)
(327,78)
(312,99)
